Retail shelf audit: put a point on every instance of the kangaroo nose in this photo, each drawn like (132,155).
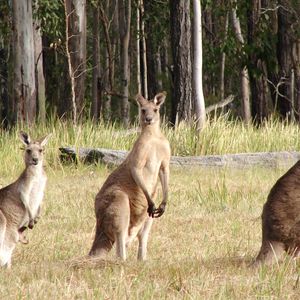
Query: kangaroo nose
(35,160)
(148,119)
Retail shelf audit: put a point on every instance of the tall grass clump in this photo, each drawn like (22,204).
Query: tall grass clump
(220,136)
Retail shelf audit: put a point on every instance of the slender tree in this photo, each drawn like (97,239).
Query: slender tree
(138,50)
(197,66)
(258,75)
(182,67)
(124,28)
(39,70)
(144,51)
(76,44)
(245,85)
(96,83)
(223,60)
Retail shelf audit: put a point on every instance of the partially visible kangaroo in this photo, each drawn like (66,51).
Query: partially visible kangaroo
(124,206)
(20,201)
(281,219)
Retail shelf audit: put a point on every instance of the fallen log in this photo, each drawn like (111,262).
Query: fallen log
(240,160)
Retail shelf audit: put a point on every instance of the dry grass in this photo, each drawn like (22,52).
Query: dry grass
(200,248)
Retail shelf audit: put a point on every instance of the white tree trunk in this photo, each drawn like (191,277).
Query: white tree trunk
(197,72)
(244,73)
(24,88)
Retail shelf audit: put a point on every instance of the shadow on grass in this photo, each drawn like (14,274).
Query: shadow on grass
(229,261)
(92,262)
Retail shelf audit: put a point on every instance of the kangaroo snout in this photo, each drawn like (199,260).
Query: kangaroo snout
(35,160)
(148,120)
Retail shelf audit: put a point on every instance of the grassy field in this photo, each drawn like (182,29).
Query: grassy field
(199,249)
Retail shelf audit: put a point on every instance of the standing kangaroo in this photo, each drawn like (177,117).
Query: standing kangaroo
(20,201)
(124,206)
(281,219)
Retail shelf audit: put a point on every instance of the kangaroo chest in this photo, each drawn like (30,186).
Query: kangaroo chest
(36,194)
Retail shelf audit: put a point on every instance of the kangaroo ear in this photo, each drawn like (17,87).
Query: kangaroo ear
(140,99)
(25,138)
(159,99)
(43,141)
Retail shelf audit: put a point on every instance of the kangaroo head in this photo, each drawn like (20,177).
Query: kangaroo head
(149,109)
(34,150)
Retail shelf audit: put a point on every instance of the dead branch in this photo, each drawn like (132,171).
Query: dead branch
(220,104)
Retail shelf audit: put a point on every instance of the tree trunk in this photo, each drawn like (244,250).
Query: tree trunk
(197,72)
(284,59)
(39,71)
(24,89)
(96,81)
(159,69)
(296,63)
(138,50)
(181,52)
(245,86)
(288,55)
(223,61)
(261,96)
(151,51)
(76,18)
(124,28)
(296,66)
(5,114)
(144,52)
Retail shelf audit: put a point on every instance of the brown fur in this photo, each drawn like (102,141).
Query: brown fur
(20,201)
(281,218)
(124,206)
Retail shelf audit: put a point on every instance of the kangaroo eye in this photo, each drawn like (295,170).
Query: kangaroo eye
(40,150)
(28,151)
(143,111)
(155,110)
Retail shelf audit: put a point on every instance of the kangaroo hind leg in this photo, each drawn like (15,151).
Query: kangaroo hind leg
(270,251)
(2,238)
(120,212)
(143,236)
(102,244)
(11,238)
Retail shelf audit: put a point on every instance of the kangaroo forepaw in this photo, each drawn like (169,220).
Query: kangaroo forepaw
(159,211)
(151,210)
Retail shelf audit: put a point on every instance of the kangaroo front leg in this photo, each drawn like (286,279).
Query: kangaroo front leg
(164,179)
(138,178)
(25,200)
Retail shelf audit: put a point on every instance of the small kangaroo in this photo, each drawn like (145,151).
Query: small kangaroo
(124,206)
(20,201)
(281,219)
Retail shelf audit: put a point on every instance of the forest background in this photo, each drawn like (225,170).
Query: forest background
(80,60)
